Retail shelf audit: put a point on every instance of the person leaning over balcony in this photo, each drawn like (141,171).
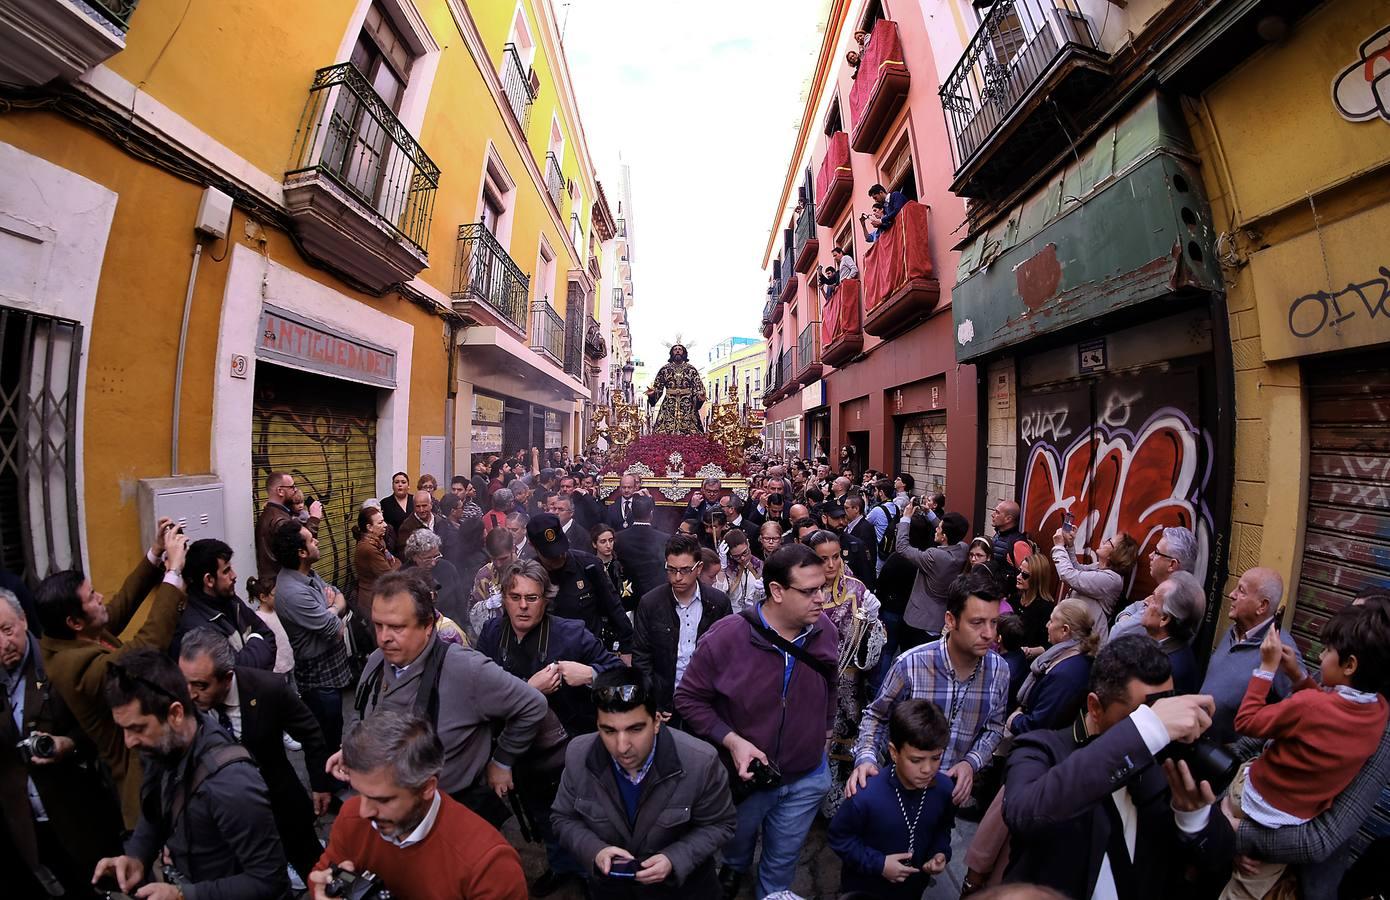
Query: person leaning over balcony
(892,202)
(829,281)
(844,263)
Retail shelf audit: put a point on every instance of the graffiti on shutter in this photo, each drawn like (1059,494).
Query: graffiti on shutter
(1346,542)
(1123,452)
(323,432)
(922,452)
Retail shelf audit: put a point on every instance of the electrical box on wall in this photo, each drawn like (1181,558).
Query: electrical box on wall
(214,214)
(194,502)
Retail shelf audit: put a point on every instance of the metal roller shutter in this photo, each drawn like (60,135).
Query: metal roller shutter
(1345,545)
(323,432)
(922,451)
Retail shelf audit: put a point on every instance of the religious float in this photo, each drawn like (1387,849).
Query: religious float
(674,454)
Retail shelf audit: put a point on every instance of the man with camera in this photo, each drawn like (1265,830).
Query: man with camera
(1091,811)
(762,684)
(59,816)
(79,641)
(401,832)
(202,800)
(645,807)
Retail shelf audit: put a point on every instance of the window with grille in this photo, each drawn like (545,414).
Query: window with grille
(39,363)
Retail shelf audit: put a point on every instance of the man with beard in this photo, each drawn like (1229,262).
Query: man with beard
(202,799)
(417,839)
(213,603)
(857,556)
(685,394)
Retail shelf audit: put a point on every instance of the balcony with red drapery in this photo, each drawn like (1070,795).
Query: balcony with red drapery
(900,287)
(880,87)
(834,181)
(843,332)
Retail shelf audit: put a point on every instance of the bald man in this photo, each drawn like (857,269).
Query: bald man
(1004,518)
(1254,606)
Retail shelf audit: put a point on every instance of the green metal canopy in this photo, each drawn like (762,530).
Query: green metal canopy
(1125,223)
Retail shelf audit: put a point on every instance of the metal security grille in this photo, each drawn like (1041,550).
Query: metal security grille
(922,451)
(1345,544)
(39,362)
(323,432)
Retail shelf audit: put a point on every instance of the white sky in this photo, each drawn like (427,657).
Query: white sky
(702,101)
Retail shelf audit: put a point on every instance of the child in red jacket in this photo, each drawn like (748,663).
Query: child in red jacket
(1319,738)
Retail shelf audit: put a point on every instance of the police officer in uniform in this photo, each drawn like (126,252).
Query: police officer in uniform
(581,587)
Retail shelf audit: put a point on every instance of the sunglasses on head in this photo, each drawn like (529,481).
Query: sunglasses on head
(620,693)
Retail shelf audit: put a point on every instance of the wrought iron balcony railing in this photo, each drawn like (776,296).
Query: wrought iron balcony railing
(349,135)
(1014,48)
(554,178)
(808,360)
(785,363)
(547,331)
(619,301)
(595,346)
(117,12)
(516,84)
(806,247)
(485,272)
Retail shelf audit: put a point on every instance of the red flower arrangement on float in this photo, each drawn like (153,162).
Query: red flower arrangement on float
(654,451)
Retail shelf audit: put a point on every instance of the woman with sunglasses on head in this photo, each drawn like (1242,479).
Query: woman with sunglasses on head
(853,609)
(1037,594)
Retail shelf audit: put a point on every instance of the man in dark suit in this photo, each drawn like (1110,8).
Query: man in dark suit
(1076,799)
(258,708)
(863,531)
(81,822)
(641,549)
(671,618)
(562,507)
(620,507)
(857,555)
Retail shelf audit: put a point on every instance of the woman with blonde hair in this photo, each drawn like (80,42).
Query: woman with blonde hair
(1100,583)
(1055,688)
(1037,586)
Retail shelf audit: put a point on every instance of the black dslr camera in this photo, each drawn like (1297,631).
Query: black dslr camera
(355,885)
(37,746)
(1207,761)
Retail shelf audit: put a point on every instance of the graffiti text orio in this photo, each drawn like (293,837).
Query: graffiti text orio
(1311,313)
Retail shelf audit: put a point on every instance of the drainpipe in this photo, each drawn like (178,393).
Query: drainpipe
(183,346)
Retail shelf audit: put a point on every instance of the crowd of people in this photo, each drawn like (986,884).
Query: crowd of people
(669,712)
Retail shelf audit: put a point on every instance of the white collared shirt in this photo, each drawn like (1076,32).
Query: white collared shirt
(688,614)
(421,831)
(232,707)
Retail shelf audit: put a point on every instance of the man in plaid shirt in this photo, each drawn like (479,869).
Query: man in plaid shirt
(312,612)
(961,675)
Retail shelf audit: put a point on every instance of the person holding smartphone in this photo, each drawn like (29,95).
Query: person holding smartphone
(671,786)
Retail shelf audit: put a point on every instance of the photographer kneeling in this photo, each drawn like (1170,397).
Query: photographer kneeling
(403,830)
(1090,810)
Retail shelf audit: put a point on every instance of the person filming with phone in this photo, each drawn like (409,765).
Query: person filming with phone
(1100,583)
(647,806)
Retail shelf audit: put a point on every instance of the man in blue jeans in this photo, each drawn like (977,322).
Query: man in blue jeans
(754,686)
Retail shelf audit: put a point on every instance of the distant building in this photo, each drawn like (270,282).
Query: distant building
(736,366)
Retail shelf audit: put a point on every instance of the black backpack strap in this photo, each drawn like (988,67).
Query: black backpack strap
(213,760)
(370,683)
(427,697)
(824,669)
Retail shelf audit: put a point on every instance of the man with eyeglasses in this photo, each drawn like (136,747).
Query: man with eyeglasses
(202,799)
(665,795)
(762,684)
(745,571)
(1175,551)
(671,618)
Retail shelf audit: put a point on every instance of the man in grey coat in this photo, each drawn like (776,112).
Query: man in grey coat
(645,808)
(465,695)
(937,567)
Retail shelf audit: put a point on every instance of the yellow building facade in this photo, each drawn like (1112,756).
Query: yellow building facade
(1295,144)
(395,268)
(737,368)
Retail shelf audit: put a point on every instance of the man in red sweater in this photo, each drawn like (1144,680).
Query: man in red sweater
(419,842)
(1319,739)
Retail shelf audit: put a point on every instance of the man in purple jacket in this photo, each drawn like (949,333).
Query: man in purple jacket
(754,686)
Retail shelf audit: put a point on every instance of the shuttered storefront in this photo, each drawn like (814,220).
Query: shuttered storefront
(922,451)
(1345,546)
(323,432)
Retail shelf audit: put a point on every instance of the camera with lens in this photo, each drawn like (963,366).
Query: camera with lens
(37,746)
(1206,759)
(355,885)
